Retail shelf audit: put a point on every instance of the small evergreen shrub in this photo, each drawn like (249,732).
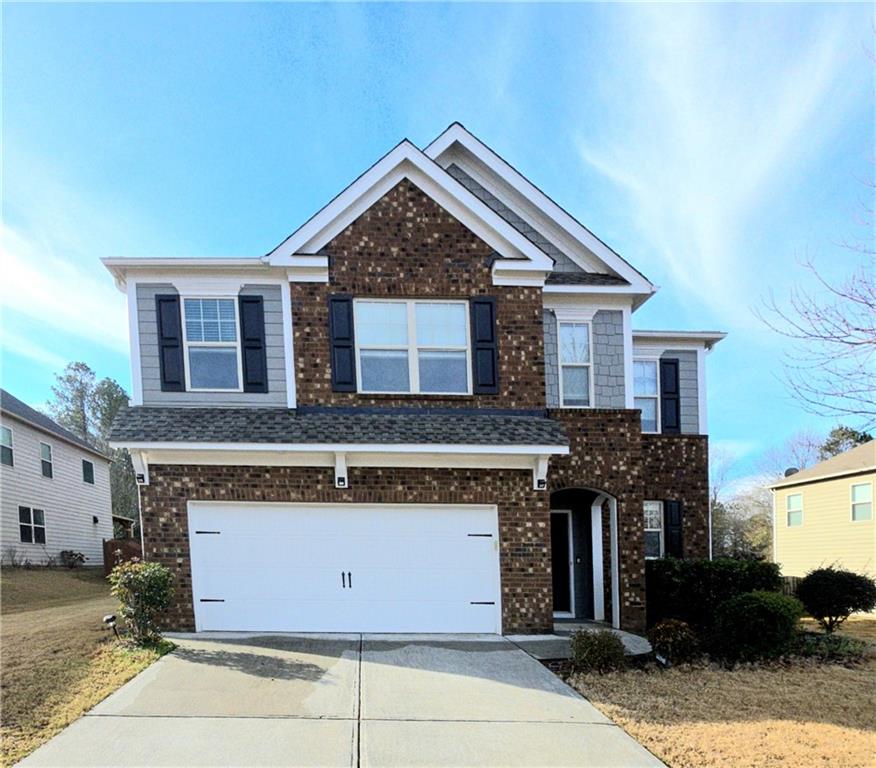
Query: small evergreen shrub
(674,641)
(144,590)
(599,651)
(756,625)
(831,595)
(692,590)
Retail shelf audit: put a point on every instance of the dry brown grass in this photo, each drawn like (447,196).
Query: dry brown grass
(860,627)
(58,661)
(794,716)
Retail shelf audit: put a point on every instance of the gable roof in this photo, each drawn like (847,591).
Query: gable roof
(22,411)
(457,134)
(851,462)
(406,161)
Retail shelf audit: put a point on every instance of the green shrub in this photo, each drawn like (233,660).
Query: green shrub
(674,641)
(144,590)
(836,648)
(691,590)
(599,651)
(831,595)
(757,625)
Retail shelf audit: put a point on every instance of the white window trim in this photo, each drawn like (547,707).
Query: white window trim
(32,526)
(84,462)
(852,487)
(661,529)
(11,446)
(214,344)
(656,361)
(591,378)
(412,349)
(788,511)
(50,460)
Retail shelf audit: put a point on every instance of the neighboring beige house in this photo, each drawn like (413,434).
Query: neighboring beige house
(54,489)
(823,515)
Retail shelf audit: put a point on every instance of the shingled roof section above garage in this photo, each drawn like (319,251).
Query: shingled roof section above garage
(333,425)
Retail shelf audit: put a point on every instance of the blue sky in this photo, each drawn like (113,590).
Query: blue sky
(713,146)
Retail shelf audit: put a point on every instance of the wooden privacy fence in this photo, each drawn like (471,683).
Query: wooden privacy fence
(789,585)
(130,548)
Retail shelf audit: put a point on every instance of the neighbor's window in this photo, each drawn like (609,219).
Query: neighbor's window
(653,529)
(862,501)
(31,525)
(46,459)
(87,472)
(6,446)
(647,393)
(575,376)
(212,349)
(794,506)
(412,346)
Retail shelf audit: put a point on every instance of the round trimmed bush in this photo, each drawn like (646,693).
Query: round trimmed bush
(674,641)
(756,625)
(599,651)
(831,595)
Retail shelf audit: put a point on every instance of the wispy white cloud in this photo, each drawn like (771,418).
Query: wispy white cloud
(57,294)
(715,111)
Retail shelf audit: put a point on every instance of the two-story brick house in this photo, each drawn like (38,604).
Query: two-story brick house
(425,410)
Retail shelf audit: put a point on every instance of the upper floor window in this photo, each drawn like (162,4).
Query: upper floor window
(862,501)
(87,472)
(211,345)
(576,380)
(647,393)
(31,525)
(6,446)
(794,508)
(46,459)
(414,347)
(654,529)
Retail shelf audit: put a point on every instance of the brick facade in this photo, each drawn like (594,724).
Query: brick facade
(407,246)
(524,531)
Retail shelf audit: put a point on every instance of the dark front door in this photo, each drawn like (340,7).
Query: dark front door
(560,562)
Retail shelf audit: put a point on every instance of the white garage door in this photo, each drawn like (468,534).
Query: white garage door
(344,568)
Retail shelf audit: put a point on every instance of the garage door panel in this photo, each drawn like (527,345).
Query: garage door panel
(269,567)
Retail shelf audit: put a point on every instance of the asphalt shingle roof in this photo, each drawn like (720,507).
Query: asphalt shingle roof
(281,425)
(15,407)
(583,278)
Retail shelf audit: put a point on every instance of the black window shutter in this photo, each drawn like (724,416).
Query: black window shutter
(342,340)
(672,517)
(170,345)
(252,343)
(670,401)
(485,348)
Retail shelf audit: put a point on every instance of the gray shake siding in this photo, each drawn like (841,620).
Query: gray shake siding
(148,332)
(688,385)
(562,262)
(608,359)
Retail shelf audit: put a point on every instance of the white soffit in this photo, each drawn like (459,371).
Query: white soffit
(677,339)
(444,150)
(405,161)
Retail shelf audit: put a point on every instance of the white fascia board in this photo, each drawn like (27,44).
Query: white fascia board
(683,339)
(349,448)
(456,134)
(208,269)
(406,161)
(595,300)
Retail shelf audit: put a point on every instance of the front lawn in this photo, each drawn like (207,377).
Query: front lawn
(56,659)
(799,715)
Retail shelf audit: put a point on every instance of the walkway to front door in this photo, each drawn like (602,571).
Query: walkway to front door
(344,700)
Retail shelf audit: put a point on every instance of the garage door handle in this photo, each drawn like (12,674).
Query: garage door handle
(350,579)
(343,580)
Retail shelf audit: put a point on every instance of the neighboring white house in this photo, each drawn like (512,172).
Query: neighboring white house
(54,489)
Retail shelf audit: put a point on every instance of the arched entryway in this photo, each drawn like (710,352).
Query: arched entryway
(584,555)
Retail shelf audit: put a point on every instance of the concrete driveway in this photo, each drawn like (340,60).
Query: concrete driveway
(344,700)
